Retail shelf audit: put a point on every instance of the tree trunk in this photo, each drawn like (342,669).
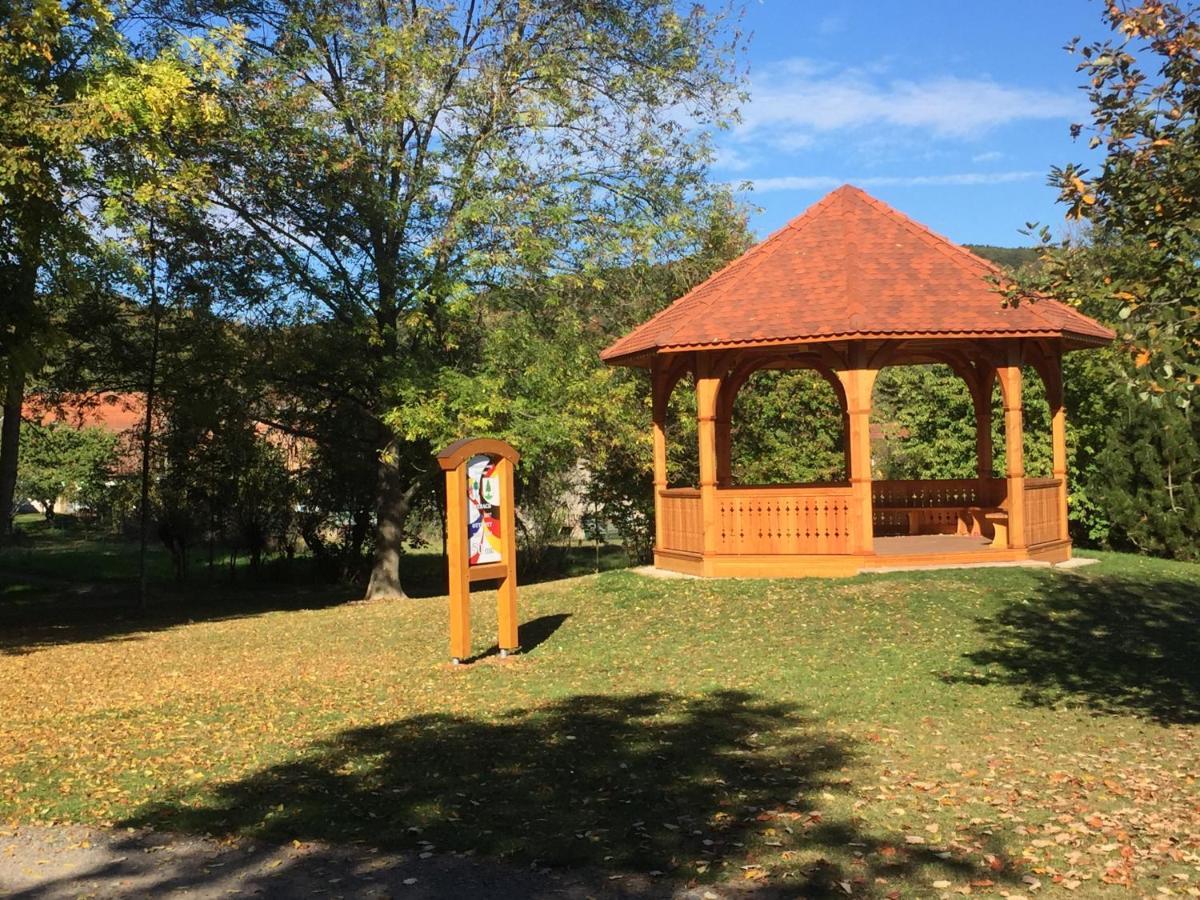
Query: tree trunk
(148,433)
(393,504)
(10,440)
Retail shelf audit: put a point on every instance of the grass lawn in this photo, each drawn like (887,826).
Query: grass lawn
(985,732)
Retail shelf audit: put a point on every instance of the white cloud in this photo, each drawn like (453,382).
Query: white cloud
(990,156)
(803,97)
(829,182)
(732,159)
(797,183)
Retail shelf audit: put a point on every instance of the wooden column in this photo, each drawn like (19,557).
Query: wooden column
(460,573)
(708,384)
(846,439)
(660,390)
(1058,436)
(724,426)
(1014,447)
(858,384)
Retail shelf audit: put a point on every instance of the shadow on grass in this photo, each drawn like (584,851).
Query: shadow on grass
(106,612)
(657,783)
(530,635)
(40,610)
(1117,644)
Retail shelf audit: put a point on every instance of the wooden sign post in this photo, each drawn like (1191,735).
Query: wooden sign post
(481,542)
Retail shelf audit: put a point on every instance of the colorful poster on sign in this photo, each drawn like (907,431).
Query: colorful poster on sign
(483,511)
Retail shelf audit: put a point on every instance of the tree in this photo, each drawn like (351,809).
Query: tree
(395,161)
(1133,263)
(583,428)
(787,429)
(71,89)
(45,124)
(1138,263)
(1148,480)
(59,462)
(927,423)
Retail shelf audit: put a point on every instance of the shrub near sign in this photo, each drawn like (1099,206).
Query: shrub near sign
(480,536)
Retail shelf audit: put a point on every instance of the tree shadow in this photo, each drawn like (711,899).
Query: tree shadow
(1115,643)
(99,612)
(653,783)
(150,864)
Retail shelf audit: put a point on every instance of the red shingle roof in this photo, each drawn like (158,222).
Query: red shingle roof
(850,267)
(113,412)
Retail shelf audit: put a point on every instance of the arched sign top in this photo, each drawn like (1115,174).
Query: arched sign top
(460,451)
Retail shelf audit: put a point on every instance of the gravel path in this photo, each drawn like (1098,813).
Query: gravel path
(74,861)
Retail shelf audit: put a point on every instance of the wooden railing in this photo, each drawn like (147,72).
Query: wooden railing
(802,519)
(783,520)
(683,520)
(1041,510)
(948,492)
(930,506)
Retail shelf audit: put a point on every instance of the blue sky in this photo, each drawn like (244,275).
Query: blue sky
(953,112)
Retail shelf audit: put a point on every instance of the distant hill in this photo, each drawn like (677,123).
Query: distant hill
(1009,257)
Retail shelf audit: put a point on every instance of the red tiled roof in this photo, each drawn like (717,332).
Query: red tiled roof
(114,412)
(850,266)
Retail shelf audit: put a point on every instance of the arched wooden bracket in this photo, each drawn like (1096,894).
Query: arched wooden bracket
(480,536)
(455,454)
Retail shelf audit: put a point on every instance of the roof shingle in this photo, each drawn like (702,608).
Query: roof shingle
(850,266)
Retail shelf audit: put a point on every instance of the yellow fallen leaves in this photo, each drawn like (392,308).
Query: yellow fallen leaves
(942,777)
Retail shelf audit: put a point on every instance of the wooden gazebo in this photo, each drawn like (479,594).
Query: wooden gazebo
(848,288)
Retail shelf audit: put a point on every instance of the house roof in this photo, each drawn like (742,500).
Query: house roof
(111,411)
(849,267)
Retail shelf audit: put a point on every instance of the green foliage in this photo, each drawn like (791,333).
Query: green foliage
(61,462)
(536,383)
(535,378)
(926,424)
(1149,480)
(1008,257)
(396,164)
(787,429)
(89,127)
(1137,264)
(1133,266)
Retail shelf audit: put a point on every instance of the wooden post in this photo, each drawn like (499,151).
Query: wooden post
(506,593)
(858,383)
(659,396)
(1058,437)
(846,439)
(708,385)
(460,573)
(1014,447)
(724,425)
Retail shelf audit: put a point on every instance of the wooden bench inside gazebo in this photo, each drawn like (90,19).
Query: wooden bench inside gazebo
(850,287)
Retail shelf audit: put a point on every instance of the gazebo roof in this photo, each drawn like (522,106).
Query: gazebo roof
(849,267)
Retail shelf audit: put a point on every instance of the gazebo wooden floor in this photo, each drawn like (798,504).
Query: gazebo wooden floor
(919,544)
